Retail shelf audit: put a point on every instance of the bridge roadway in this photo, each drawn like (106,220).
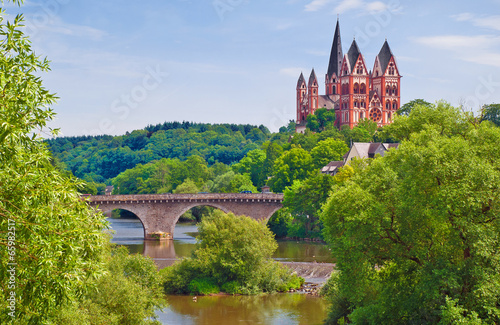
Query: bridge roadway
(160,212)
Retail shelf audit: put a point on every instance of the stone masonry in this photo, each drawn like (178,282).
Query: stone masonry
(160,212)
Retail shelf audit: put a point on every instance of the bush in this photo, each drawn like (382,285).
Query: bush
(231,287)
(128,294)
(234,253)
(204,286)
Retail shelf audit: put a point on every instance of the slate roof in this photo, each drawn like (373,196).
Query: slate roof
(353,54)
(336,55)
(312,78)
(384,56)
(301,80)
(326,101)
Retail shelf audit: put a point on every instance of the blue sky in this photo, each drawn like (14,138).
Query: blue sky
(121,65)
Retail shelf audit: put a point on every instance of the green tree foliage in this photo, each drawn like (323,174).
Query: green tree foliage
(251,164)
(295,164)
(187,187)
(47,230)
(303,201)
(406,109)
(416,232)
(320,120)
(129,293)
(234,253)
(491,113)
(231,182)
(328,150)
(106,156)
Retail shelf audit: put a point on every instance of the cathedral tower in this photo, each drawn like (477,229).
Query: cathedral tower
(351,90)
(332,76)
(386,82)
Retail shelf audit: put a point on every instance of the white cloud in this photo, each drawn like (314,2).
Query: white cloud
(376,6)
(342,6)
(459,42)
(347,5)
(490,22)
(316,5)
(477,49)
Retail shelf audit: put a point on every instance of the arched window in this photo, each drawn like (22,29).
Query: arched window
(387,89)
(394,105)
(395,91)
(356,88)
(356,104)
(387,105)
(391,69)
(362,89)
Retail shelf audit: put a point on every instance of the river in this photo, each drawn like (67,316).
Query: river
(267,309)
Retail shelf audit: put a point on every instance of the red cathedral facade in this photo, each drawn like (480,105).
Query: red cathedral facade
(352,90)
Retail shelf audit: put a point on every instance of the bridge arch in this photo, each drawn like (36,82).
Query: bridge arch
(160,212)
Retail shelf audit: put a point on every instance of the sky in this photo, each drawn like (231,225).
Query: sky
(121,65)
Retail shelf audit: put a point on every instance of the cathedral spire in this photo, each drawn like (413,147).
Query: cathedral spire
(336,54)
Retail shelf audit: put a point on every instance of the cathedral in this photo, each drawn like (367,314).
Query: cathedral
(351,89)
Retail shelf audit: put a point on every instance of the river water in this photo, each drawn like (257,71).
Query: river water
(274,309)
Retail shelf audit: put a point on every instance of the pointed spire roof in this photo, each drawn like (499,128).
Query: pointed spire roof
(312,78)
(384,56)
(353,54)
(301,81)
(336,54)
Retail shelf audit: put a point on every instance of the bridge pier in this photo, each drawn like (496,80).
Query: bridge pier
(159,213)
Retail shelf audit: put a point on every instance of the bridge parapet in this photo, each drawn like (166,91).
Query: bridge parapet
(139,198)
(159,212)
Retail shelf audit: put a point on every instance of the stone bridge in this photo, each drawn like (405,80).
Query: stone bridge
(160,212)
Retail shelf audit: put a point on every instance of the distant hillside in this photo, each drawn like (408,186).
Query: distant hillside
(100,158)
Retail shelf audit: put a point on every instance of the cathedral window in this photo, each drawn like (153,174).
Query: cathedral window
(387,105)
(394,105)
(391,69)
(363,89)
(356,88)
(356,104)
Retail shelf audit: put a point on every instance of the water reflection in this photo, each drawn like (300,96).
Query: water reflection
(286,309)
(129,232)
(222,310)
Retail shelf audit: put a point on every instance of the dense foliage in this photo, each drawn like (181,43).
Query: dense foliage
(103,157)
(233,256)
(129,293)
(416,232)
(53,245)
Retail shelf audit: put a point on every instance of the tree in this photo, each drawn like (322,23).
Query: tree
(50,236)
(129,293)
(251,164)
(320,120)
(295,164)
(328,150)
(491,113)
(406,109)
(304,201)
(187,187)
(415,232)
(234,254)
